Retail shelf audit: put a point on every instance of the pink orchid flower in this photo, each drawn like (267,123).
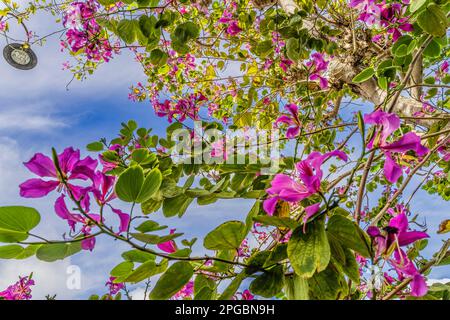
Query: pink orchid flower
(318,66)
(103,188)
(74,218)
(405,268)
(395,234)
(233,28)
(289,189)
(72,169)
(246,295)
(292,120)
(387,124)
(114,287)
(21,290)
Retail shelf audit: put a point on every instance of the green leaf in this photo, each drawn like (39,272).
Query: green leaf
(349,234)
(401,51)
(147,25)
(433,20)
(176,206)
(398,49)
(251,214)
(309,252)
(204,288)
(151,206)
(279,253)
(129,184)
(234,285)
(172,281)
(264,48)
(122,270)
(21,219)
(433,50)
(270,283)
(364,75)
(140,155)
(416,5)
(57,251)
(344,259)
(154,239)
(327,284)
(158,57)
(145,271)
(107,2)
(126,30)
(351,266)
(95,146)
(277,221)
(256,262)
(185,32)
(293,49)
(10,251)
(228,235)
(149,226)
(28,252)
(296,287)
(138,256)
(16,221)
(151,185)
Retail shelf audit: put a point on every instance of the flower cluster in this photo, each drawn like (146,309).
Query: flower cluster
(388,16)
(114,287)
(318,66)
(292,120)
(181,109)
(84,34)
(228,19)
(395,152)
(61,175)
(21,290)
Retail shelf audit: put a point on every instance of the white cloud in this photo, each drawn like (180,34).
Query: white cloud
(30,117)
(433,281)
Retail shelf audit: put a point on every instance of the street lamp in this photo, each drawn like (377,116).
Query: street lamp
(20,55)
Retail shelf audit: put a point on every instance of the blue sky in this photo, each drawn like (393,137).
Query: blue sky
(37,113)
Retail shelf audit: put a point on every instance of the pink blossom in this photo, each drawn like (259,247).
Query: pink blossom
(72,168)
(285,64)
(387,124)
(406,269)
(114,287)
(308,182)
(318,66)
(291,120)
(395,234)
(21,290)
(84,34)
(169,246)
(233,28)
(3,26)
